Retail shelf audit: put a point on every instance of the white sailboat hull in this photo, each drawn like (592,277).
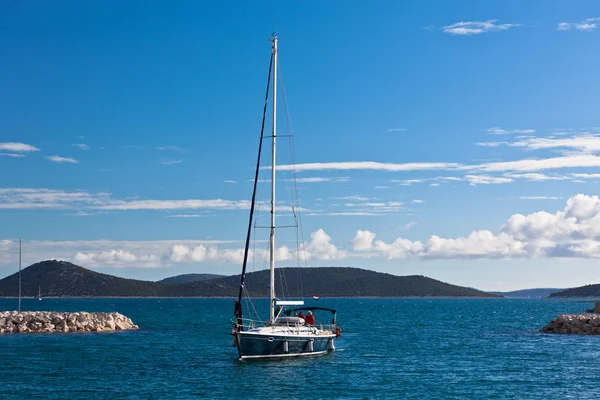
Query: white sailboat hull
(275,342)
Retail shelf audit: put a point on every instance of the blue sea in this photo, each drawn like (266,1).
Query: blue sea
(390,348)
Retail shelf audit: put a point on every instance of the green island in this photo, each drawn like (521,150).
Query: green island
(64,279)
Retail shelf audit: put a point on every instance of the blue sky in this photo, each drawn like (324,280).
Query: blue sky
(454,141)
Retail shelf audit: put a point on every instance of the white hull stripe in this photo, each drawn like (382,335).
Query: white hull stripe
(316,353)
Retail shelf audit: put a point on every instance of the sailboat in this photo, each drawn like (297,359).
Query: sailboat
(39,293)
(284,334)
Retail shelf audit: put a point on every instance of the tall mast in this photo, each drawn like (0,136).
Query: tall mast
(20,245)
(273,149)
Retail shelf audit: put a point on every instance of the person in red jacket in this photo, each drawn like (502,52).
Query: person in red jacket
(310,318)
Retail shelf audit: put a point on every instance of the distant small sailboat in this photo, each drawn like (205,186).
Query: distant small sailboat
(316,297)
(39,292)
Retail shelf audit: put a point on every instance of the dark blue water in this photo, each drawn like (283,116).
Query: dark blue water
(390,348)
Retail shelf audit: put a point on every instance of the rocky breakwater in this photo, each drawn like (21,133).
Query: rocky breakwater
(49,321)
(581,324)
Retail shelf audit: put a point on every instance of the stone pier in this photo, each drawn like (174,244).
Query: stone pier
(579,324)
(50,321)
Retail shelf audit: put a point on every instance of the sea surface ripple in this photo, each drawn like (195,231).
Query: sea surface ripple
(390,348)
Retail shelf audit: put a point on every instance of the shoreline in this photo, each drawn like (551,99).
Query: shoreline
(232,298)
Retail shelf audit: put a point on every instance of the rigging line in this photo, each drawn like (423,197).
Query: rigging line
(297,215)
(255,182)
(252,304)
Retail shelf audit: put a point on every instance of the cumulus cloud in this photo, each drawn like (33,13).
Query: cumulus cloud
(321,248)
(102,253)
(117,258)
(476,27)
(571,232)
(363,240)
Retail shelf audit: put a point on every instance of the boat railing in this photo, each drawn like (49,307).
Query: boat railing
(247,323)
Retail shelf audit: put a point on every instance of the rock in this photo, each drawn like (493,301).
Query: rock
(43,321)
(577,324)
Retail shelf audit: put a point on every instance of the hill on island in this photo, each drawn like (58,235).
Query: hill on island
(190,278)
(582,291)
(533,293)
(64,279)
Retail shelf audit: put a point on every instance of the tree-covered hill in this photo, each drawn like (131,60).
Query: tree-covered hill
(64,279)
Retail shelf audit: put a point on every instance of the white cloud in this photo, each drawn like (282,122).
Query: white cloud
(409,225)
(23,198)
(476,27)
(570,161)
(60,160)
(395,130)
(117,258)
(170,148)
(321,248)
(490,144)
(188,215)
(230,182)
(407,182)
(318,179)
(571,232)
(355,198)
(523,165)
(367,165)
(584,143)
(479,244)
(587,25)
(363,240)
(82,146)
(17,147)
(417,201)
(14,155)
(100,253)
(585,176)
(486,180)
(499,131)
(171,162)
(175,204)
(346,214)
(434,184)
(535,176)
(399,248)
(538,198)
